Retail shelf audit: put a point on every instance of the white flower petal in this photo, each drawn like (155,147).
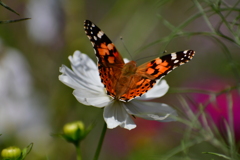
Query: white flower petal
(82,59)
(151,110)
(67,77)
(72,80)
(158,90)
(85,68)
(97,99)
(84,74)
(85,80)
(126,60)
(115,115)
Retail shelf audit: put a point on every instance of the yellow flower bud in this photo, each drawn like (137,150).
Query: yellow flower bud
(11,153)
(74,130)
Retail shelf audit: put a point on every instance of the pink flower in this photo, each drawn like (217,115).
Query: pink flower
(219,108)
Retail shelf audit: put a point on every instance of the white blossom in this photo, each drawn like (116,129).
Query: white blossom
(88,89)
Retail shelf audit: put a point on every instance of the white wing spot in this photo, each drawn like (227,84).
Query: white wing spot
(95,38)
(174,56)
(185,52)
(100,34)
(182,59)
(89,37)
(93,25)
(181,63)
(176,61)
(169,71)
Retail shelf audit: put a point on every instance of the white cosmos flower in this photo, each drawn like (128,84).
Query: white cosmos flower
(88,89)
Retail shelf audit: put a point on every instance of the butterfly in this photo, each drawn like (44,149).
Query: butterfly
(126,81)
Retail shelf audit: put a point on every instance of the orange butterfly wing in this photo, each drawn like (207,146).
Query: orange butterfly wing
(126,81)
(110,62)
(147,73)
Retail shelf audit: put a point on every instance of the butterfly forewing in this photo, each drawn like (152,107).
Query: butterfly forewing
(104,48)
(160,67)
(110,62)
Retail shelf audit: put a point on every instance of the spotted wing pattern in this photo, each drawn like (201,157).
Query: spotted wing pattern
(147,73)
(110,62)
(126,81)
(160,67)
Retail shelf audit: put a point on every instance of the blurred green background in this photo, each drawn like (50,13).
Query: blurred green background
(34,103)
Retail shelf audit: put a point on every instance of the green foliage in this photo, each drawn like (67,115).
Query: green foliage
(26,151)
(216,154)
(10,9)
(12,21)
(7,7)
(200,127)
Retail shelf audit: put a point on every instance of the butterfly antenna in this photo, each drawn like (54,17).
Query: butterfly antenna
(126,48)
(143,58)
(165,51)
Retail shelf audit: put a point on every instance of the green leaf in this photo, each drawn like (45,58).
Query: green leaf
(26,151)
(217,154)
(13,21)
(10,9)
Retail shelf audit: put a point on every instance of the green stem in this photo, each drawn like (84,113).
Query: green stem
(78,150)
(100,142)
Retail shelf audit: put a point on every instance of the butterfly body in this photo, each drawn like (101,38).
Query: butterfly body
(126,81)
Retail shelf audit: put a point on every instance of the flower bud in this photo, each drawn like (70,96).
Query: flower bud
(11,153)
(74,131)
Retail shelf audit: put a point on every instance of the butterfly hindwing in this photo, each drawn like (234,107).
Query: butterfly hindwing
(147,73)
(139,87)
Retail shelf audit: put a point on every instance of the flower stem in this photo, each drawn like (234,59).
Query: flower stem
(78,150)
(100,142)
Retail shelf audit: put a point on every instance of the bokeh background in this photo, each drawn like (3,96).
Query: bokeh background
(34,103)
